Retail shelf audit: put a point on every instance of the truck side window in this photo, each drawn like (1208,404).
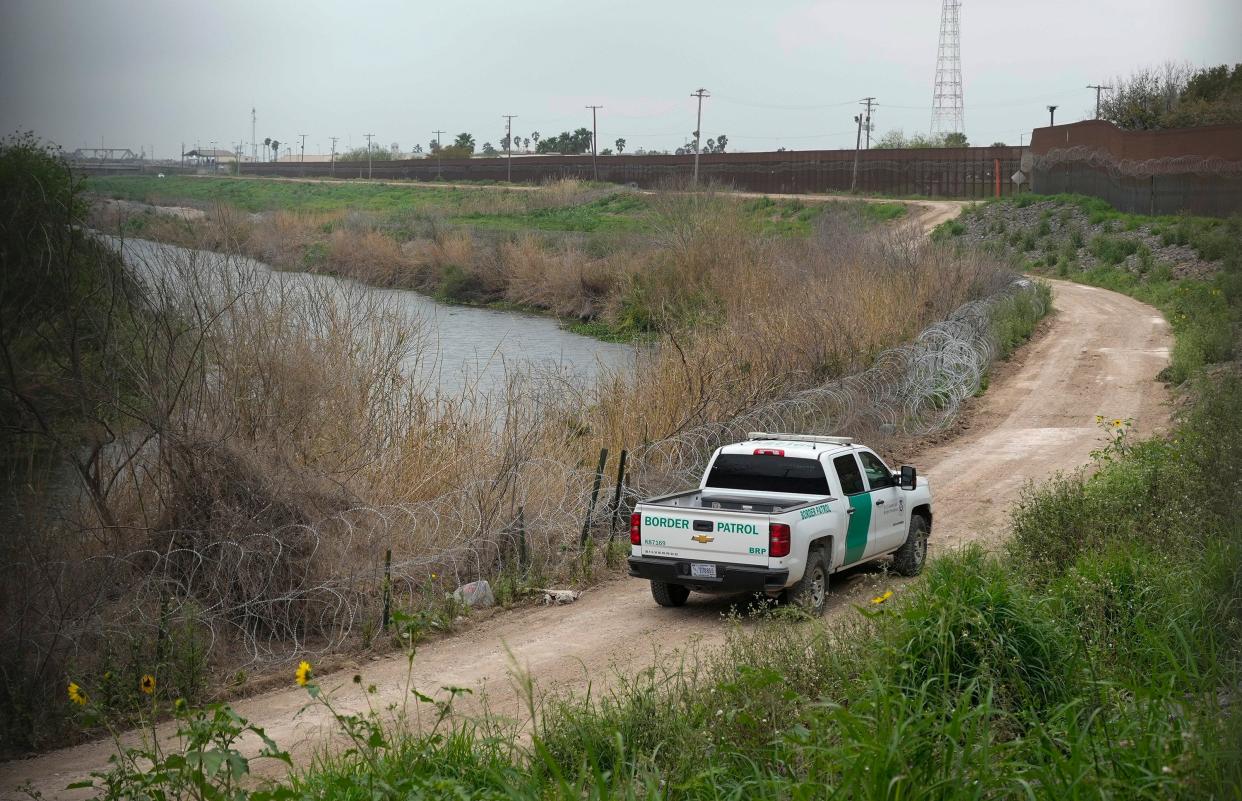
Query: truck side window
(877,473)
(851,477)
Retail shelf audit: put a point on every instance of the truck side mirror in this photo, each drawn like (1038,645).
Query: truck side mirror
(909,477)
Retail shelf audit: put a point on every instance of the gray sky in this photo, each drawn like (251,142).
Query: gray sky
(136,73)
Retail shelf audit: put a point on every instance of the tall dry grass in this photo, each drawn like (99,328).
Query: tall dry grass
(279,443)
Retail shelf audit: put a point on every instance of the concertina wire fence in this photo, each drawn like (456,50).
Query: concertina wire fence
(528,521)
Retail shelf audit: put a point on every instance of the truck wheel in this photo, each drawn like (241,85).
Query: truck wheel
(911,556)
(669,594)
(811,591)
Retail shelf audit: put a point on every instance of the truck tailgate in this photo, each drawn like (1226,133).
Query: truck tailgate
(705,535)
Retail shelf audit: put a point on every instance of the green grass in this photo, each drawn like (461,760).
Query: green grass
(616,212)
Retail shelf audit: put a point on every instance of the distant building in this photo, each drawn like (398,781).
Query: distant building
(209,156)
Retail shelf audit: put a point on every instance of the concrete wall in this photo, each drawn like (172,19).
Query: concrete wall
(1196,170)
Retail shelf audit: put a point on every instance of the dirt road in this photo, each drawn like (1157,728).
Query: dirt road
(1099,354)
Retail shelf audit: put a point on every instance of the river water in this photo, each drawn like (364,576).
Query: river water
(464,349)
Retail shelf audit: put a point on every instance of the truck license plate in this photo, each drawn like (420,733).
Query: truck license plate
(702,571)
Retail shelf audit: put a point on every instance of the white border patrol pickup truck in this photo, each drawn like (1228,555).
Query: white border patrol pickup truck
(778,514)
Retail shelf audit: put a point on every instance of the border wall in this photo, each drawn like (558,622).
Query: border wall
(967,172)
(1196,170)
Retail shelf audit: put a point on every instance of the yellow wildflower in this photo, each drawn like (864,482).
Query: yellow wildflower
(433,575)
(147,683)
(1118,423)
(303,673)
(1099,418)
(879,599)
(76,695)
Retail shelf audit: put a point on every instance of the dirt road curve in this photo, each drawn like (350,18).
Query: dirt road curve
(1099,355)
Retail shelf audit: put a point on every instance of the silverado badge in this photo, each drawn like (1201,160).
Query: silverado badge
(702,538)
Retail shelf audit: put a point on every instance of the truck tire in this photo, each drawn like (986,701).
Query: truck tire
(912,555)
(811,591)
(669,594)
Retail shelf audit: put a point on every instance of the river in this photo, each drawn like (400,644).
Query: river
(463,348)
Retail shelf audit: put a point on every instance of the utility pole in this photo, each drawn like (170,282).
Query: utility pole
(868,102)
(368,136)
(1052,115)
(302,157)
(332,158)
(594,144)
(509,143)
(858,118)
(254,144)
(1098,89)
(439,147)
(698,128)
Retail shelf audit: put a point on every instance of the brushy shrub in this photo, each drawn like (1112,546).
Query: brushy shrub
(1113,249)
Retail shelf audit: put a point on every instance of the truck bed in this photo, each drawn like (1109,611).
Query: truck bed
(722,500)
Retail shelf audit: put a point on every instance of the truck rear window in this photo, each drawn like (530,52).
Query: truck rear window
(741,471)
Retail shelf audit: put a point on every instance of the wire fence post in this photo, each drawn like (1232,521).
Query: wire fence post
(387,589)
(599,479)
(616,499)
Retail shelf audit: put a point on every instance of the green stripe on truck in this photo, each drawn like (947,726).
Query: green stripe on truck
(860,524)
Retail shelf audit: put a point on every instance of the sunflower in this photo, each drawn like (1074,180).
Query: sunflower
(1118,423)
(76,695)
(303,673)
(879,599)
(1099,418)
(147,684)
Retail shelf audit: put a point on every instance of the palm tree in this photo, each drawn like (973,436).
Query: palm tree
(620,143)
(275,150)
(464,140)
(535,136)
(267,143)
(526,143)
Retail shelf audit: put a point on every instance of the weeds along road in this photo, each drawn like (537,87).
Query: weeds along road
(1099,354)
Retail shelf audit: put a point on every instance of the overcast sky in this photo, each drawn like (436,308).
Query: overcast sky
(137,73)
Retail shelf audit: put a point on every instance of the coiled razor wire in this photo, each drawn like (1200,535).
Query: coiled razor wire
(304,589)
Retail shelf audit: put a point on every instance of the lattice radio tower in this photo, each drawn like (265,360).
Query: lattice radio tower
(948,107)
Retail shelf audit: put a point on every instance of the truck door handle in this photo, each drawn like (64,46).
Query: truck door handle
(850,511)
(879,503)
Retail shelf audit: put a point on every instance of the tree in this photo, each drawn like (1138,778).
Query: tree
(535,138)
(488,150)
(267,143)
(464,141)
(722,142)
(999,144)
(955,140)
(1174,96)
(435,145)
(577,142)
(620,143)
(275,150)
(711,146)
(526,143)
(504,142)
(418,148)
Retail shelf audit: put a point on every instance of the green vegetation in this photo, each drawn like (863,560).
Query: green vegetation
(1097,657)
(1175,96)
(1205,312)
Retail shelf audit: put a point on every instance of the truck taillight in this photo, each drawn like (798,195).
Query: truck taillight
(778,539)
(769,452)
(636,529)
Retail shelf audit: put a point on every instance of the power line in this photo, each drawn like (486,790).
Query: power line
(594,143)
(1098,89)
(868,102)
(509,144)
(698,128)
